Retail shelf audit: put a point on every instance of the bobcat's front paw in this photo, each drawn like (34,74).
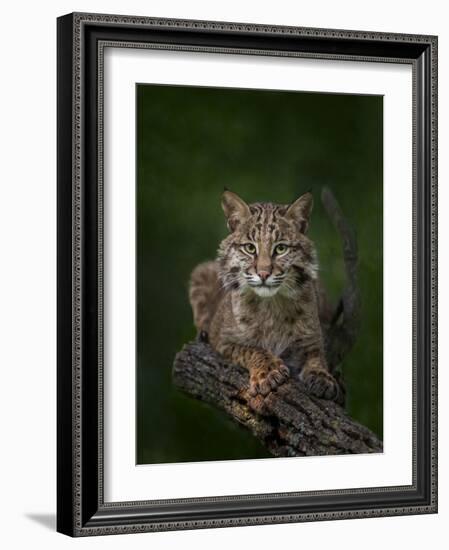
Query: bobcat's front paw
(267,377)
(320,382)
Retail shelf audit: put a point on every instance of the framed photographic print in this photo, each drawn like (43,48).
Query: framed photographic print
(247,247)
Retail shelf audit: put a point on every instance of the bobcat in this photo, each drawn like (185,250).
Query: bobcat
(258,302)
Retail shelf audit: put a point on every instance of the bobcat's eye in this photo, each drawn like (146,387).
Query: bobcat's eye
(280,249)
(250,248)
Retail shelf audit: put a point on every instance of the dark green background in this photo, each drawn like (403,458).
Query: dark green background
(266,146)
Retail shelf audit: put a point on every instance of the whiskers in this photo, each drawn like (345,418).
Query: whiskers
(264,288)
(252,280)
(277,279)
(273,281)
(286,283)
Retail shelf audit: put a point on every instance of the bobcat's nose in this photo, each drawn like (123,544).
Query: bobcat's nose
(263,275)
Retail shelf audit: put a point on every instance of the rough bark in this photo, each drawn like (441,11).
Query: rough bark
(288,421)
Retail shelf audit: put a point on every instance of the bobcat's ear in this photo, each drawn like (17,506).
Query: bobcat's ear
(235,209)
(300,210)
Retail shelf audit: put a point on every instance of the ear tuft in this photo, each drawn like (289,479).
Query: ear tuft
(300,210)
(235,209)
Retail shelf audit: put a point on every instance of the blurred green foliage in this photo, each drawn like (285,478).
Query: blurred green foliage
(266,146)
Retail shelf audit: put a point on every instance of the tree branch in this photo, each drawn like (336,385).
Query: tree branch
(341,334)
(288,421)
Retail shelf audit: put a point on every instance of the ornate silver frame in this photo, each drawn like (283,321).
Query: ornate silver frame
(81,41)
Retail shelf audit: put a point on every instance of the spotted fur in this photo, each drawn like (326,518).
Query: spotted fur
(258,301)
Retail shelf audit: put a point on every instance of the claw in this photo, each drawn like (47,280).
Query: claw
(267,378)
(321,383)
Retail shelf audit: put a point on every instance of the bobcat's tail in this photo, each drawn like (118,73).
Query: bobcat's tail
(204,294)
